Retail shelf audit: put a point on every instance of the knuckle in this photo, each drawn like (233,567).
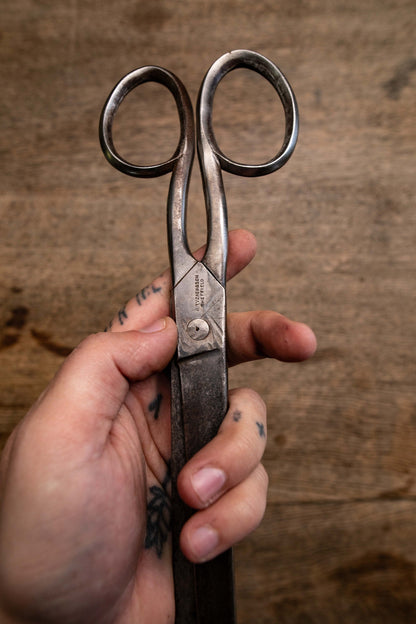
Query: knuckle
(248,396)
(254,504)
(94,349)
(90,343)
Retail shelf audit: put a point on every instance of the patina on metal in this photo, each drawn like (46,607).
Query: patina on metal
(204,593)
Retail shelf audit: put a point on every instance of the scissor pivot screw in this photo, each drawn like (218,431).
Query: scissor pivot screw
(198,329)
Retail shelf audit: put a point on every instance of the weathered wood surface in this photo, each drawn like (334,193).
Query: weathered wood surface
(336,235)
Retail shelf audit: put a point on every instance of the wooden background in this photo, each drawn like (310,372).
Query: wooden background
(336,238)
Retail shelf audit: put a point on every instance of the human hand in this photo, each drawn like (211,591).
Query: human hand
(82,471)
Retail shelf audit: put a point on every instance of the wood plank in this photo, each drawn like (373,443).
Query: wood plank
(329,563)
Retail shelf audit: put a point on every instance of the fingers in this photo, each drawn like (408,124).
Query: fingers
(153,301)
(150,303)
(228,521)
(225,481)
(242,248)
(264,333)
(250,335)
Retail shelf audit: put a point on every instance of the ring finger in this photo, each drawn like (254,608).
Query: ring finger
(229,520)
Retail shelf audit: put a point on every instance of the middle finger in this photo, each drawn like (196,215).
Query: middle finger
(231,456)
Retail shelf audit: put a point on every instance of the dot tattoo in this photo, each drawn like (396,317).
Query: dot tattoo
(237,416)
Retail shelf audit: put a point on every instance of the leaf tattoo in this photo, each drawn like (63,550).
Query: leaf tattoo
(158,517)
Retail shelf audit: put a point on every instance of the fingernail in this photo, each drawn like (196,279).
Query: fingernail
(207,482)
(203,541)
(154,327)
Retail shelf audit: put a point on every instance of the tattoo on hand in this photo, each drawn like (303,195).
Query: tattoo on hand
(154,406)
(260,427)
(140,297)
(237,416)
(146,291)
(158,517)
(122,315)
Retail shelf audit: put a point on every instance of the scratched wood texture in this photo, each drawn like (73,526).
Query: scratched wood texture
(336,238)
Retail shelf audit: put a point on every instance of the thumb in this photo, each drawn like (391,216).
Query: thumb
(88,391)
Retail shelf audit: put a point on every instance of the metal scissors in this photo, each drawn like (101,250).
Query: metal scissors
(204,593)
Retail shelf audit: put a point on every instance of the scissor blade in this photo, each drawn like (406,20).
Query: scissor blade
(215,590)
(203,383)
(204,593)
(183,570)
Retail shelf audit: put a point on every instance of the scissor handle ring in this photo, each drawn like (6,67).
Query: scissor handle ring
(150,73)
(267,69)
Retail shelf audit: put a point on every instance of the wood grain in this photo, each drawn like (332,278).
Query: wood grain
(336,248)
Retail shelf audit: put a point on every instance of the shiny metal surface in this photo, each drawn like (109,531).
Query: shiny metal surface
(203,593)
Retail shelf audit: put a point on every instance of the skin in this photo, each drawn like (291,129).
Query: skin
(79,471)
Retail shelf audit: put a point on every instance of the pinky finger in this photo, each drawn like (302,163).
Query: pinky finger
(234,516)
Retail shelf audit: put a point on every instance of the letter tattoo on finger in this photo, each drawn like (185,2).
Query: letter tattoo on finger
(145,292)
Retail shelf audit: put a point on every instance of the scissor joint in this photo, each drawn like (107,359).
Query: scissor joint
(199,312)
(198,329)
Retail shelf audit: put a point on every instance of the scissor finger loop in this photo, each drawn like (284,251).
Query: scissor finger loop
(150,73)
(267,69)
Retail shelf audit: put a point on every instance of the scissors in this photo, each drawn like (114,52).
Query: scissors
(204,593)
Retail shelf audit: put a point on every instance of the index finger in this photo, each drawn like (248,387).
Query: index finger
(267,334)
(250,335)
(153,301)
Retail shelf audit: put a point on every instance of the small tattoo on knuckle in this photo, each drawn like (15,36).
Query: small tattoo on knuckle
(261,430)
(154,406)
(237,415)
